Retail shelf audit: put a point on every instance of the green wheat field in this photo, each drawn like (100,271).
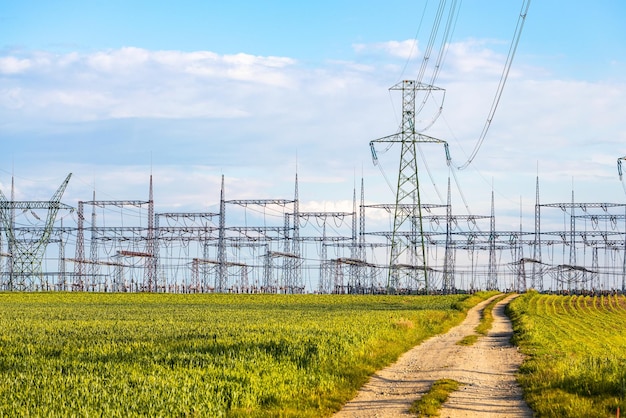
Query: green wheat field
(90,354)
(220,355)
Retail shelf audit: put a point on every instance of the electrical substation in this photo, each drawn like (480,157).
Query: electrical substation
(125,246)
(272,246)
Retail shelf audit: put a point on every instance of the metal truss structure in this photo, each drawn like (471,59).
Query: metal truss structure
(270,246)
(27,244)
(407,265)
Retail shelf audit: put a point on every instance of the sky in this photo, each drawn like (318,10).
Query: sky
(257,91)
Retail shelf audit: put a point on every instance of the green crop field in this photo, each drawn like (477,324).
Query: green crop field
(90,354)
(576,347)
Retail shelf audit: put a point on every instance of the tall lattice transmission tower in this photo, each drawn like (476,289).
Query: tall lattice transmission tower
(27,244)
(407,266)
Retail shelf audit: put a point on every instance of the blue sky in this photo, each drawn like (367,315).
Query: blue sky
(189,91)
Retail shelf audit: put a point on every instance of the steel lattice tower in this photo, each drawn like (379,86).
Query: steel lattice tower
(221,278)
(27,249)
(150,278)
(492,278)
(296,274)
(408,251)
(537,274)
(448,264)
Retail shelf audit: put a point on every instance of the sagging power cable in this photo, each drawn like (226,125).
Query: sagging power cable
(503,79)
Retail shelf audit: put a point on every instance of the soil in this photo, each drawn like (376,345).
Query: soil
(486,369)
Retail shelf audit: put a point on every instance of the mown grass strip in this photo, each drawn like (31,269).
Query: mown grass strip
(576,354)
(430,404)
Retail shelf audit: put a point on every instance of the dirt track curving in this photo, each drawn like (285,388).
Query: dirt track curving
(486,369)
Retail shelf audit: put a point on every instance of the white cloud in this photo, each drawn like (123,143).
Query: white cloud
(13,65)
(134,82)
(11,98)
(118,61)
(398,49)
(255,116)
(473,57)
(343,206)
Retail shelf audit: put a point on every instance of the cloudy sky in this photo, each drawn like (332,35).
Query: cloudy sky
(256,91)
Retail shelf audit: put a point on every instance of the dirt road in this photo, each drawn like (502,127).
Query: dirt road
(486,369)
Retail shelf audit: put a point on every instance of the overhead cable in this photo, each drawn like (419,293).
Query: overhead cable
(503,79)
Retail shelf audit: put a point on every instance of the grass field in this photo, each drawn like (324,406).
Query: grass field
(577,353)
(87,354)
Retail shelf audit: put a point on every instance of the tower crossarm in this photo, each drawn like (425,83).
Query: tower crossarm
(188,215)
(32,205)
(401,137)
(352,262)
(327,240)
(260,202)
(53,208)
(215,262)
(118,203)
(584,206)
(95,262)
(406,206)
(56,197)
(256,233)
(601,217)
(418,85)
(187,233)
(324,214)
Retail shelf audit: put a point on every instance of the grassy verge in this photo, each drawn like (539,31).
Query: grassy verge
(430,404)
(576,353)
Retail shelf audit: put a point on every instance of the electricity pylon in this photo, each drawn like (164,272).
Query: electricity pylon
(407,264)
(27,245)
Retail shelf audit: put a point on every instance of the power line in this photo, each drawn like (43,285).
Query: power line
(503,78)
